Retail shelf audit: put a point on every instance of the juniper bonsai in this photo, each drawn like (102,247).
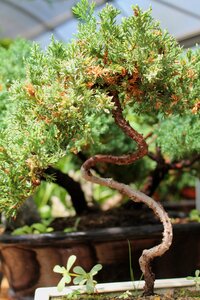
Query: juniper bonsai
(111,69)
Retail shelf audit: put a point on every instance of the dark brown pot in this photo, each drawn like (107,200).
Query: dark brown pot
(28,260)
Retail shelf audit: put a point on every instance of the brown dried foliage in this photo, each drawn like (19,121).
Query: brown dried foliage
(30,89)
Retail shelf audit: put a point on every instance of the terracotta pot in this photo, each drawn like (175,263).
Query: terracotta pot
(28,260)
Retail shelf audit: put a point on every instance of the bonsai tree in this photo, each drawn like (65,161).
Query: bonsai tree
(109,69)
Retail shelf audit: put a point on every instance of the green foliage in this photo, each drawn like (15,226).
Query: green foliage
(12,68)
(6,42)
(68,88)
(102,193)
(170,189)
(81,277)
(45,212)
(43,227)
(46,191)
(126,295)
(194,215)
(178,136)
(83,10)
(35,228)
(195,278)
(130,261)
(74,228)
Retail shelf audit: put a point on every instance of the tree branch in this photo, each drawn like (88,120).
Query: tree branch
(72,187)
(184,163)
(158,174)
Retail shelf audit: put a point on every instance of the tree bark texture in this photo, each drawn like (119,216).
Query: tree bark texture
(72,187)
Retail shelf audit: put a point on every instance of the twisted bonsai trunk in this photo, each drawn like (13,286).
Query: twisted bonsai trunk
(147,255)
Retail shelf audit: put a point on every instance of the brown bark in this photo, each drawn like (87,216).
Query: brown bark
(157,175)
(136,196)
(72,187)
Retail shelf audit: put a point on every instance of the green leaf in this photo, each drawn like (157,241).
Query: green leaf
(69,229)
(197,273)
(79,280)
(79,270)
(67,277)
(70,262)
(95,269)
(49,229)
(39,226)
(59,269)
(45,210)
(22,230)
(84,10)
(61,284)
(90,286)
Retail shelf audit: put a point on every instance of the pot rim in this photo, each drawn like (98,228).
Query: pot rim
(110,234)
(46,292)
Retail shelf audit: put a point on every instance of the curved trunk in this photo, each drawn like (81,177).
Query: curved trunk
(136,196)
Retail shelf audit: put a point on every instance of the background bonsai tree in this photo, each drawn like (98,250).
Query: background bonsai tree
(110,69)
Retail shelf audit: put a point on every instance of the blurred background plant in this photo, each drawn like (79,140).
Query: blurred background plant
(12,67)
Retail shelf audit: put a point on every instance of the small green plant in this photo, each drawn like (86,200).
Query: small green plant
(35,228)
(194,215)
(125,295)
(74,228)
(130,262)
(132,277)
(81,277)
(195,278)
(43,227)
